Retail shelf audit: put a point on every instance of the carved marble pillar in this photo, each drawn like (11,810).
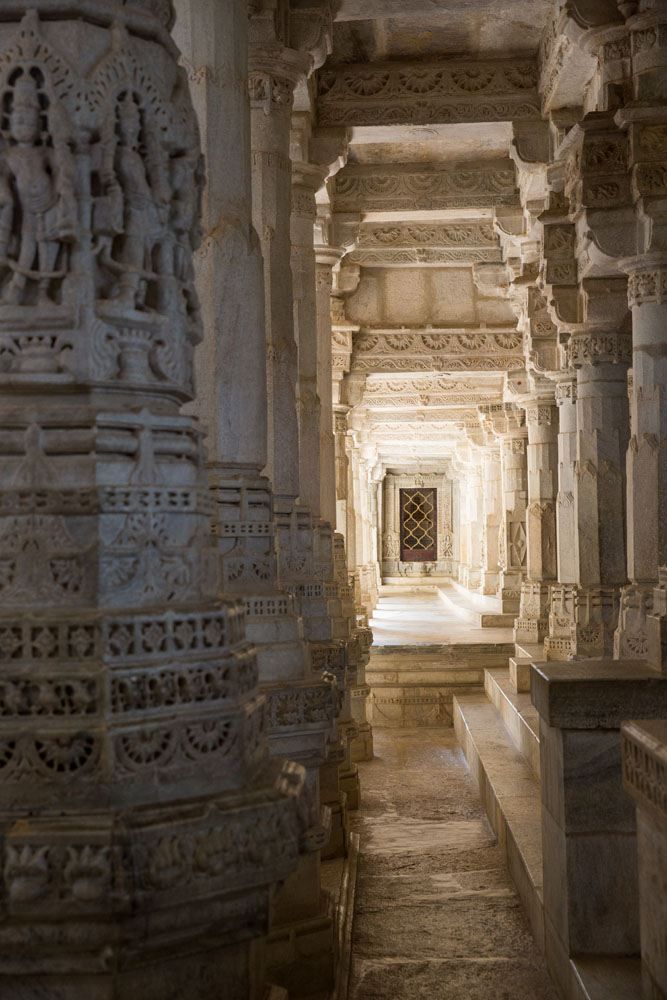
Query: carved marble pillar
(507,422)
(391,536)
(138,806)
(642,624)
(601,360)
(558,643)
(327,258)
(470,473)
(274,72)
(301,705)
(541,557)
(491,518)
(647,455)
(306,180)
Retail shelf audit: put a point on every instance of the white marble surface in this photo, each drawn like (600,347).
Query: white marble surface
(405,617)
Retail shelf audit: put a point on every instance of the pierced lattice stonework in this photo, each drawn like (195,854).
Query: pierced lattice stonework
(419,525)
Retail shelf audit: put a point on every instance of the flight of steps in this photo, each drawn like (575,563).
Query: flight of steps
(498,729)
(474,609)
(495,727)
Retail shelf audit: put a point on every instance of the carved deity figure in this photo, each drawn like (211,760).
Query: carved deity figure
(37,201)
(184,229)
(136,180)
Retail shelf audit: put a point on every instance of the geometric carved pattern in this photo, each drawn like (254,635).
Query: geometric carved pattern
(418,525)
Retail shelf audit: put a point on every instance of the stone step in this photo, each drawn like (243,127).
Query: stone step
(510,793)
(530,651)
(517,712)
(481,602)
(467,610)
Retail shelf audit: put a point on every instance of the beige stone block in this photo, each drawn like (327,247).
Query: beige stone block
(520,674)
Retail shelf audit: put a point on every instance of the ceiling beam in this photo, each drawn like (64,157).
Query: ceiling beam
(372,188)
(428,93)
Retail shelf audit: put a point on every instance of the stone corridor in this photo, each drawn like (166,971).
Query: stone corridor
(437,915)
(333,451)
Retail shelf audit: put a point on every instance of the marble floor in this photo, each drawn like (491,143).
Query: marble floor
(436,915)
(413,617)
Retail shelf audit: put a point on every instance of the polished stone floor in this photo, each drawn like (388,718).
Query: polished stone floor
(416,617)
(436,916)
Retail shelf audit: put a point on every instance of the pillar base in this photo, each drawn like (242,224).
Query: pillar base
(591,901)
(301,956)
(631,638)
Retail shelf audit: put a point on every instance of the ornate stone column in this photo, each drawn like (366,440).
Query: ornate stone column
(641,623)
(274,70)
(601,359)
(138,806)
(469,469)
(327,258)
(306,181)
(391,553)
(558,643)
(507,422)
(646,456)
(541,558)
(301,705)
(491,517)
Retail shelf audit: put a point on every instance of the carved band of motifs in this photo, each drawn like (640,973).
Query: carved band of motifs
(424,93)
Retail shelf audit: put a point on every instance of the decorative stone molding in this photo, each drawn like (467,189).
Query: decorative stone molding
(428,93)
(434,350)
(592,348)
(386,257)
(392,188)
(453,235)
(646,283)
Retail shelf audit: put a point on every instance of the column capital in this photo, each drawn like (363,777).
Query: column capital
(273,73)
(504,420)
(591,347)
(566,388)
(307,179)
(647,278)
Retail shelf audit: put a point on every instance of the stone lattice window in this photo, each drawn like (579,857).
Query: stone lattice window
(419,531)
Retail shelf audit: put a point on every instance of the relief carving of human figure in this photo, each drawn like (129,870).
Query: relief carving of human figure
(37,203)
(135,176)
(184,235)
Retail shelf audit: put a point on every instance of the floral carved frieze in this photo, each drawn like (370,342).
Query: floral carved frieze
(382,244)
(427,93)
(437,350)
(393,188)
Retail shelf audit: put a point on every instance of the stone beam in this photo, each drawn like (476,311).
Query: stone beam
(429,93)
(422,391)
(437,350)
(387,244)
(407,187)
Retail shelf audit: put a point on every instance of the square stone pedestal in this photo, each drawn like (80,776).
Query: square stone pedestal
(645,779)
(591,895)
